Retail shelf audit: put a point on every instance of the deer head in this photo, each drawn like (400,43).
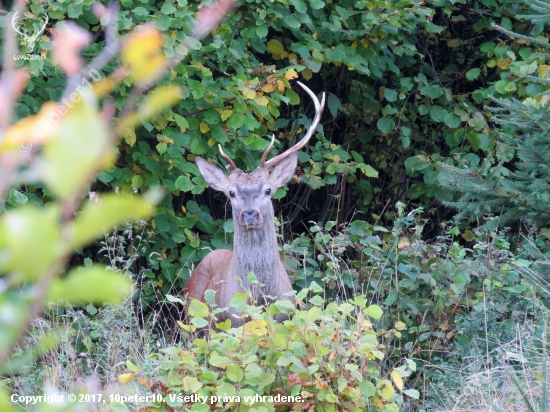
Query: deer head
(250,193)
(30,39)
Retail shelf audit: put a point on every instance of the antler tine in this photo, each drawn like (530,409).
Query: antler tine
(318,110)
(228,159)
(266,151)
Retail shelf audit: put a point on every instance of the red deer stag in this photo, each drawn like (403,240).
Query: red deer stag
(254,242)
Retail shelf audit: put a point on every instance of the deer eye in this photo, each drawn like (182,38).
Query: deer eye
(231,193)
(268,192)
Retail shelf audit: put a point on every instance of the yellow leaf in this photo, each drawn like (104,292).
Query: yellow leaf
(131,366)
(365,43)
(126,377)
(248,93)
(397,380)
(226,114)
(129,135)
(268,88)
(504,63)
(376,401)
(35,130)
(211,142)
(204,127)
(543,69)
(166,139)
(454,42)
(280,86)
(403,243)
(261,100)
(291,74)
(275,47)
(400,325)
(307,73)
(385,389)
(143,53)
(256,327)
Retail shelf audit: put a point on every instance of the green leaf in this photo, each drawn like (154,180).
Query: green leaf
(316,4)
(30,237)
(452,120)
(198,309)
(334,104)
(433,91)
(15,197)
(315,182)
(505,86)
(300,6)
(191,384)
(412,393)
(140,11)
(217,360)
(167,8)
(261,31)
(81,148)
(74,10)
(236,120)
(96,285)
(390,95)
(374,311)
(367,389)
(212,116)
(181,121)
(385,125)
(102,216)
(368,170)
(137,182)
(184,183)
(234,373)
(438,113)
(473,74)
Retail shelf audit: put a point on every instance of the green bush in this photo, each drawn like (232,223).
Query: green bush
(327,355)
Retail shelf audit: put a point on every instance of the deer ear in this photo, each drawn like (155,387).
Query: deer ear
(214,176)
(283,172)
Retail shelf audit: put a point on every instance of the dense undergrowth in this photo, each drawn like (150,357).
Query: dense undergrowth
(461,326)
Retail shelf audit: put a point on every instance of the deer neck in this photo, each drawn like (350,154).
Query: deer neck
(255,250)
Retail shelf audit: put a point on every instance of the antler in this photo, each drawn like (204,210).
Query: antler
(228,159)
(266,151)
(318,110)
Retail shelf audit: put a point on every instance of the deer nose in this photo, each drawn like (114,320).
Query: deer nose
(250,217)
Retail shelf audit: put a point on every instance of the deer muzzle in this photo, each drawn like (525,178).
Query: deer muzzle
(251,218)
